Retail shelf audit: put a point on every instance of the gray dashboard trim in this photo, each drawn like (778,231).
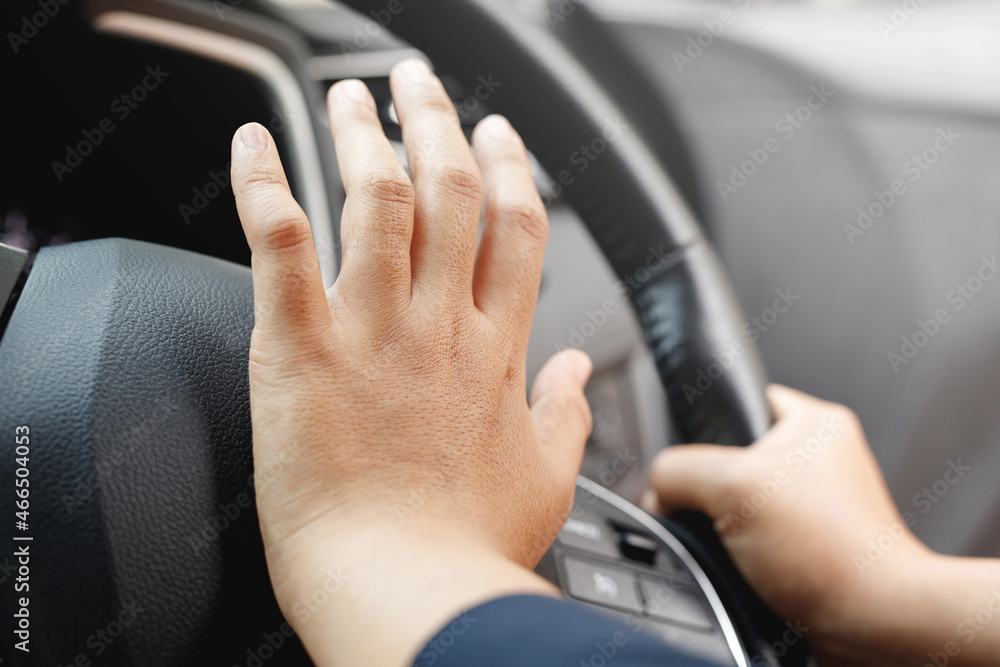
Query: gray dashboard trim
(732,638)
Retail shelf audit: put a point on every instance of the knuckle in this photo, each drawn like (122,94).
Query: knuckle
(732,490)
(661,466)
(285,229)
(252,180)
(390,186)
(438,102)
(735,483)
(527,215)
(461,179)
(574,403)
(843,416)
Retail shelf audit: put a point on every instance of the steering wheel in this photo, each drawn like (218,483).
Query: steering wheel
(125,363)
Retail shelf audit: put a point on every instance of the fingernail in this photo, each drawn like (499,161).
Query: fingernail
(356,91)
(254,137)
(497,126)
(416,71)
(583,367)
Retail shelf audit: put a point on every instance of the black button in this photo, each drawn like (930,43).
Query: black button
(602,584)
(637,547)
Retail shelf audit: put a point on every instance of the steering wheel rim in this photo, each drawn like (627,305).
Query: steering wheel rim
(133,306)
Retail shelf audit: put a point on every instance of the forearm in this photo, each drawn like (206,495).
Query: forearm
(376,596)
(937,610)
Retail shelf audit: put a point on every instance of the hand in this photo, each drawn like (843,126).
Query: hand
(796,511)
(393,443)
(808,519)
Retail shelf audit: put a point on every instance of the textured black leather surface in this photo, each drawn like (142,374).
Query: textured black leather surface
(128,362)
(623,195)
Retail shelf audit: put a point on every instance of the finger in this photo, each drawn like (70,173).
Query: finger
(447,180)
(786,401)
(512,250)
(560,409)
(288,287)
(795,414)
(693,477)
(377,224)
(650,502)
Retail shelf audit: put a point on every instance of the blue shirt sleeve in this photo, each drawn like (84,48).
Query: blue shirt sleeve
(529,630)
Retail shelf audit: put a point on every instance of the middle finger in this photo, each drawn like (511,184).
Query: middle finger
(448,184)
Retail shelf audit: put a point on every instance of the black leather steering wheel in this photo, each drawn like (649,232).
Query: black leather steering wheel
(127,363)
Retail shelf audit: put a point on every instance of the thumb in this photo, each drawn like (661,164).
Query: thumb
(560,410)
(694,477)
(287,285)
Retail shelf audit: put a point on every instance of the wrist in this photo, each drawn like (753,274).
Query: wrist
(340,586)
(879,616)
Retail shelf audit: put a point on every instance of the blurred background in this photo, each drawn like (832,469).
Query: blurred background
(844,156)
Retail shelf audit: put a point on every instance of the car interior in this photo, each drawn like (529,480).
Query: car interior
(739,191)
